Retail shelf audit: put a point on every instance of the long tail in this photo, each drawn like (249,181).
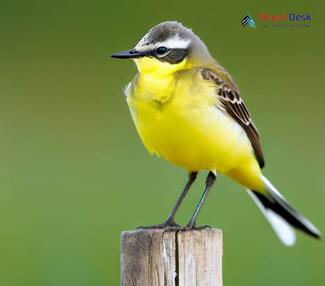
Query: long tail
(281,215)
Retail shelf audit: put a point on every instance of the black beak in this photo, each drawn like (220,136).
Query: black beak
(130,54)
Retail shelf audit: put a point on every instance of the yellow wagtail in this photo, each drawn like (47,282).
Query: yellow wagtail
(188,110)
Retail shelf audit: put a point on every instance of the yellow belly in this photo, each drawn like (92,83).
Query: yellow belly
(190,131)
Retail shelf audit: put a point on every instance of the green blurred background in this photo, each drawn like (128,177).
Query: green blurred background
(74,174)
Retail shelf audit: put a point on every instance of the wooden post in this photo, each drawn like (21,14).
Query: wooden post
(171,257)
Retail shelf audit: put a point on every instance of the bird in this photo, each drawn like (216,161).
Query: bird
(188,110)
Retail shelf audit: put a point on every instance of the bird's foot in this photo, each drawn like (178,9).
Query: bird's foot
(202,227)
(190,226)
(170,223)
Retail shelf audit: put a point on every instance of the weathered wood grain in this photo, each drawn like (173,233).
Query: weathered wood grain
(160,257)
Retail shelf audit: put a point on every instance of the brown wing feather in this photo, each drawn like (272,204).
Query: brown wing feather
(235,107)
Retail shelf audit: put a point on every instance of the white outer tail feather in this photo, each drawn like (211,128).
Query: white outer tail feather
(284,231)
(271,188)
(282,217)
(305,221)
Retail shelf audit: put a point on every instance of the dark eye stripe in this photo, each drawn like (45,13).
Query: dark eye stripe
(174,56)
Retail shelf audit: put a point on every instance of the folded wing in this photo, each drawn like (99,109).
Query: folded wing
(233,104)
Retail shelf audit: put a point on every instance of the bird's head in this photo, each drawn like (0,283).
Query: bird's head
(167,48)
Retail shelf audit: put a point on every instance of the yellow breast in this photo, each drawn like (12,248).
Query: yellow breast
(178,119)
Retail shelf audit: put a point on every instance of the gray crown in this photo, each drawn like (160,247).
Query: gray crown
(164,31)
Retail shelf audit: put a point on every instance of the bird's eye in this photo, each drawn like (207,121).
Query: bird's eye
(161,51)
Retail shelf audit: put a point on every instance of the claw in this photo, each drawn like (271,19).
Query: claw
(166,224)
(202,227)
(189,226)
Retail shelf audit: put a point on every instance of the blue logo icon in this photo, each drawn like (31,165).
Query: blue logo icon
(248,21)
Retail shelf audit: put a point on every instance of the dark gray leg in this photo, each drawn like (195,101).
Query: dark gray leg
(170,222)
(210,180)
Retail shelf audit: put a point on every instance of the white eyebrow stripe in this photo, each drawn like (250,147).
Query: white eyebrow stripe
(175,43)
